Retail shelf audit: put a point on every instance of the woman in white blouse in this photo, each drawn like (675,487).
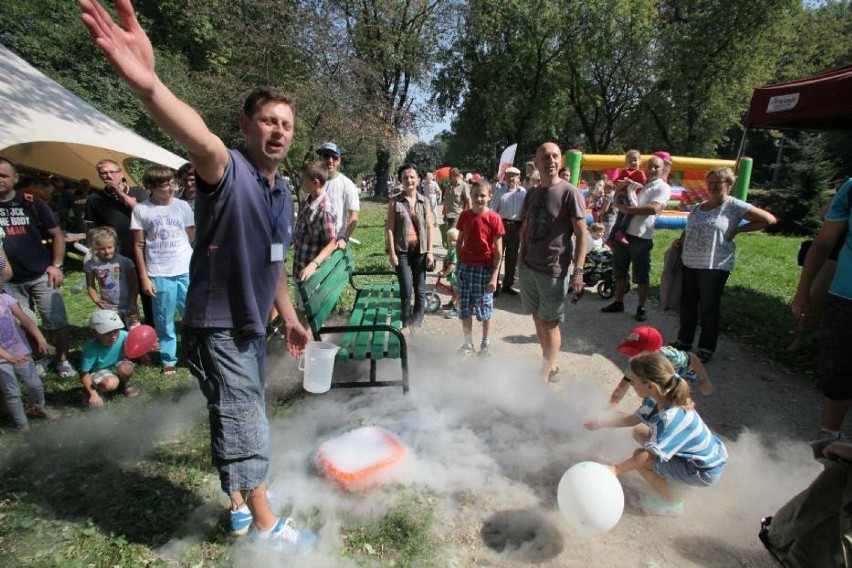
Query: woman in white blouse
(708,258)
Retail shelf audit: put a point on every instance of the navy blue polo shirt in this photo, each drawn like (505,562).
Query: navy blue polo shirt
(232,279)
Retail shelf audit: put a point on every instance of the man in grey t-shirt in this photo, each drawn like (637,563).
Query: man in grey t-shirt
(553,213)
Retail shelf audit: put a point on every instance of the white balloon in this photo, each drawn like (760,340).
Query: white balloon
(590,497)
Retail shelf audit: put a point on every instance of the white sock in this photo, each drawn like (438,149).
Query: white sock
(268,532)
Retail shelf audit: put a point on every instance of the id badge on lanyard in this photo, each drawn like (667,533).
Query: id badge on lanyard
(276,250)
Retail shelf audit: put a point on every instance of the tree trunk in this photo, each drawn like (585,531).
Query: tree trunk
(382,168)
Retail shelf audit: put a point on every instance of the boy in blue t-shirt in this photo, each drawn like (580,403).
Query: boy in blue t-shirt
(687,365)
(103,367)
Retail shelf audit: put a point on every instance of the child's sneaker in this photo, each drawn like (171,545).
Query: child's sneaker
(287,539)
(240,521)
(484,350)
(466,350)
(65,370)
(452,314)
(42,365)
(651,504)
(449,306)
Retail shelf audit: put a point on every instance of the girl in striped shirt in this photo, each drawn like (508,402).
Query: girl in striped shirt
(676,443)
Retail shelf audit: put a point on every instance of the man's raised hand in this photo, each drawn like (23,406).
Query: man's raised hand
(127,47)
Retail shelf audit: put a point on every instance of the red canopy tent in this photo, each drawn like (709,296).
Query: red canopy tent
(819,102)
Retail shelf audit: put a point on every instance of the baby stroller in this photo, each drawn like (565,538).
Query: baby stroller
(598,272)
(433,300)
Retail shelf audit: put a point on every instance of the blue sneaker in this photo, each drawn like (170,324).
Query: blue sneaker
(240,521)
(652,504)
(286,539)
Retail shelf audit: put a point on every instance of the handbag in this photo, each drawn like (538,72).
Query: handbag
(671,281)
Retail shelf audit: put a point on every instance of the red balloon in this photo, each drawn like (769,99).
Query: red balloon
(442,173)
(140,340)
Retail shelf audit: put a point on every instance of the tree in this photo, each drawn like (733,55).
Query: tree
(425,156)
(805,175)
(505,77)
(392,50)
(712,53)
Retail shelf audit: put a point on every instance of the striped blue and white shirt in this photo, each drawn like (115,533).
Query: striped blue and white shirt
(509,204)
(676,431)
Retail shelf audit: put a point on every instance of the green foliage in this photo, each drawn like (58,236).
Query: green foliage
(712,54)
(805,175)
(426,157)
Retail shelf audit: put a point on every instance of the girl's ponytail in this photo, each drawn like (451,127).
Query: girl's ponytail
(678,393)
(652,367)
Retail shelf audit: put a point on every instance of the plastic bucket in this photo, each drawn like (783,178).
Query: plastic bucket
(318,365)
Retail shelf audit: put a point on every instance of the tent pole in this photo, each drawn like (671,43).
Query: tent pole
(742,144)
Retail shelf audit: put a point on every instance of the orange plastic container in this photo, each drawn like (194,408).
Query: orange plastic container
(361,458)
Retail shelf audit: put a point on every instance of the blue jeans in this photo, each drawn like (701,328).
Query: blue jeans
(9,373)
(684,471)
(411,273)
(702,292)
(171,296)
(230,368)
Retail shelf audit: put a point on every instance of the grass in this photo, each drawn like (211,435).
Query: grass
(108,488)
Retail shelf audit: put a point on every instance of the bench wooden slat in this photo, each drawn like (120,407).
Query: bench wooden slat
(347,342)
(380,337)
(362,345)
(325,299)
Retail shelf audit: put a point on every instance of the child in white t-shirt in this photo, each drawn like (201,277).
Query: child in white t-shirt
(164,229)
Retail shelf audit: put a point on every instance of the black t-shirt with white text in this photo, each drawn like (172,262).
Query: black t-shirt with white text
(19,219)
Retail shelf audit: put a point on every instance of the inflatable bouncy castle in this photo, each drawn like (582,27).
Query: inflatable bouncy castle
(686,178)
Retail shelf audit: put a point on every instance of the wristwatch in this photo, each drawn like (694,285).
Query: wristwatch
(59,266)
(578,272)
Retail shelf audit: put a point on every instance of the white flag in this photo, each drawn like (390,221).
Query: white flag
(507,158)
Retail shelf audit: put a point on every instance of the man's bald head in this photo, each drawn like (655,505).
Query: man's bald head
(548,162)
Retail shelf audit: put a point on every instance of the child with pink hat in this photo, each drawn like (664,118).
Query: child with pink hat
(646,338)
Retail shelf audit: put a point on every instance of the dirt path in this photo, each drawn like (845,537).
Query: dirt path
(491,442)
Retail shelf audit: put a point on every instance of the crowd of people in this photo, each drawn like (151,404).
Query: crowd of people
(209,243)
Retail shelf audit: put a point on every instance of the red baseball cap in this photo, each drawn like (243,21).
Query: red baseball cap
(641,339)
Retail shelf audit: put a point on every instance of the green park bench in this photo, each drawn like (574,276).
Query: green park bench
(373,330)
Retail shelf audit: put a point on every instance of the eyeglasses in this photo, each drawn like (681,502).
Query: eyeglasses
(332,156)
(104,173)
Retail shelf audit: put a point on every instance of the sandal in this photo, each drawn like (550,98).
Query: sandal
(553,376)
(169,370)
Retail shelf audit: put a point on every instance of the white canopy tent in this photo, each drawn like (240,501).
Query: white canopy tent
(46,127)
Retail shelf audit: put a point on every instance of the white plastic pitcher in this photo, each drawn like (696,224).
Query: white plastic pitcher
(318,364)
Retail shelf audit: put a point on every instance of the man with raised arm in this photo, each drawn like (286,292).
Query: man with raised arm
(244,219)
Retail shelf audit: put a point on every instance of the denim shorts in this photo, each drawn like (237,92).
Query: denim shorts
(48,301)
(230,369)
(684,471)
(542,294)
(637,252)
